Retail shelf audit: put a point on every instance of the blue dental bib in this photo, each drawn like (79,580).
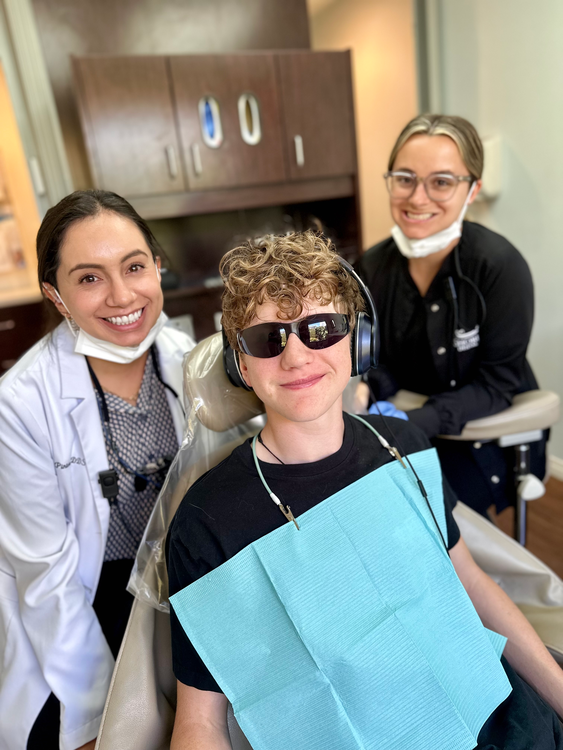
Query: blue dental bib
(353,633)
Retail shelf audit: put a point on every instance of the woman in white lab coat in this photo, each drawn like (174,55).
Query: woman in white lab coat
(90,419)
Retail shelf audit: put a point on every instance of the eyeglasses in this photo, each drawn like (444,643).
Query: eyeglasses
(267,340)
(439,186)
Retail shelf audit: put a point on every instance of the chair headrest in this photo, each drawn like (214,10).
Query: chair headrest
(218,404)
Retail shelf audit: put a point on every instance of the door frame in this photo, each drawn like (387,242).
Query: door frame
(34,103)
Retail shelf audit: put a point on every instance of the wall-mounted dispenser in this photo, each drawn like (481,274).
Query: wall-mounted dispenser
(492,172)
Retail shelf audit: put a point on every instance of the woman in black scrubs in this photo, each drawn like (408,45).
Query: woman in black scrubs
(455,302)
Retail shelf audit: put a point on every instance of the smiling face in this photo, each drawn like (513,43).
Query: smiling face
(301,384)
(108,279)
(418,216)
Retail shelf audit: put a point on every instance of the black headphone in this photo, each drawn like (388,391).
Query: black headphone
(365,339)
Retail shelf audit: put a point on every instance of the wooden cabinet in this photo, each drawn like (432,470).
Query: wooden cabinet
(20,327)
(171,131)
(234,82)
(318,114)
(230,181)
(128,121)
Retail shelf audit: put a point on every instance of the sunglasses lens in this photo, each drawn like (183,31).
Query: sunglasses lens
(264,340)
(315,331)
(322,331)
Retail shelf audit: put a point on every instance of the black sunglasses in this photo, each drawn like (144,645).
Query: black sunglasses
(315,331)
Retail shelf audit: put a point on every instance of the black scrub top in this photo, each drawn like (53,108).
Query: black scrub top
(466,347)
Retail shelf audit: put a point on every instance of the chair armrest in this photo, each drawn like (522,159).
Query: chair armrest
(533,410)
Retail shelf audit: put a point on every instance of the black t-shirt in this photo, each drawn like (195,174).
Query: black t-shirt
(228,508)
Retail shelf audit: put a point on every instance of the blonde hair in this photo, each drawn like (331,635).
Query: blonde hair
(288,270)
(459,130)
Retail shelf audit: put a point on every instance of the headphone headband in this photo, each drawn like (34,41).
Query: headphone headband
(365,338)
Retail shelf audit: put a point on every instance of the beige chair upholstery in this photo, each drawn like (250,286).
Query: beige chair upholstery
(534,587)
(139,712)
(206,386)
(533,410)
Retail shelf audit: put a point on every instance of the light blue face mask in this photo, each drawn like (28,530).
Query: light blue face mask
(353,632)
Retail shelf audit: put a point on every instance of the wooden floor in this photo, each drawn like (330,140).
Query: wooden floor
(545,526)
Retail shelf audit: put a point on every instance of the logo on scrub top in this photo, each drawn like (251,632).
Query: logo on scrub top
(465,340)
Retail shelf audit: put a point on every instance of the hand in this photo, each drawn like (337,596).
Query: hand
(387,409)
(89,745)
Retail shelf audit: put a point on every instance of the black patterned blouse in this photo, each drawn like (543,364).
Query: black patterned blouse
(142,433)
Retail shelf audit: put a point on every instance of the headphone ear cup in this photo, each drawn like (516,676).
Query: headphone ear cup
(232,366)
(353,351)
(361,345)
(365,336)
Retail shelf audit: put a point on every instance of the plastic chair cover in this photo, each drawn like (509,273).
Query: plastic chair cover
(219,417)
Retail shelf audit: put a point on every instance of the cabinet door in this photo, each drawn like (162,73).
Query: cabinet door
(128,122)
(318,113)
(207,89)
(20,327)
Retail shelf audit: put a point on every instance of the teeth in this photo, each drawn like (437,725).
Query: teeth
(126,319)
(419,217)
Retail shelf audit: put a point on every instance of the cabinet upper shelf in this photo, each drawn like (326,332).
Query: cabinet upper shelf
(197,133)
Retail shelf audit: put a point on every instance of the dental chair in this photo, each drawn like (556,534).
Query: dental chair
(518,426)
(139,711)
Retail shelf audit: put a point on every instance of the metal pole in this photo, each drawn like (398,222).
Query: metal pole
(521,469)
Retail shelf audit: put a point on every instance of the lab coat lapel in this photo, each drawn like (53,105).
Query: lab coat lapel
(87,422)
(77,385)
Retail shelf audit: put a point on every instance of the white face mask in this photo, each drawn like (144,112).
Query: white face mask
(90,346)
(436,242)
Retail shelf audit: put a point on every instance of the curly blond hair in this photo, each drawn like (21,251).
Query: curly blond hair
(289,270)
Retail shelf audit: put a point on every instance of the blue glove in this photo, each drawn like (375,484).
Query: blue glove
(387,409)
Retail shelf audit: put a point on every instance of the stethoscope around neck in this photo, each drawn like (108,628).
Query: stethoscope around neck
(451,292)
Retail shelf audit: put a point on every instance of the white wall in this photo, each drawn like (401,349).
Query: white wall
(501,66)
(380,34)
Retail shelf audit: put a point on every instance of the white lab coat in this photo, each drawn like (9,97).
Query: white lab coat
(53,530)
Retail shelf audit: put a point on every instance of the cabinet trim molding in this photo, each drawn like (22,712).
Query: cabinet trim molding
(193,203)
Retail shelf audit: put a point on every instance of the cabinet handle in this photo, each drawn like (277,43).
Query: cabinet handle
(37,176)
(196,159)
(210,121)
(249,119)
(7,325)
(172,162)
(299,153)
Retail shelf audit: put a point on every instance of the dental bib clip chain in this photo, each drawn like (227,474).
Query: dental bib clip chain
(285,509)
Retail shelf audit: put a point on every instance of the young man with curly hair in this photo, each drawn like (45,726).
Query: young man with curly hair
(355,617)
